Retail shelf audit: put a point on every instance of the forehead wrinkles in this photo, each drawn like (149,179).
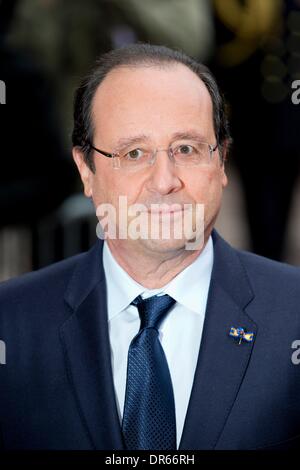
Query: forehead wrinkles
(193,135)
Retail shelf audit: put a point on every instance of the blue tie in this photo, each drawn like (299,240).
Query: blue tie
(149,421)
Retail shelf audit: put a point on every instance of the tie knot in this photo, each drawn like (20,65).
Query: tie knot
(153,309)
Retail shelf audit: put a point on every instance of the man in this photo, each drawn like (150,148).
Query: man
(150,342)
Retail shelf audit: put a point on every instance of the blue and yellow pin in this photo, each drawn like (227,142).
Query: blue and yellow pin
(241,334)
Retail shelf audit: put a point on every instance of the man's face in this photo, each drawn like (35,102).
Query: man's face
(156,103)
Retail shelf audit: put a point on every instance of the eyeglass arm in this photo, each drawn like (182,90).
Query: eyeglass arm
(106,154)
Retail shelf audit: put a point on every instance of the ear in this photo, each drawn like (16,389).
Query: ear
(224,160)
(224,178)
(85,173)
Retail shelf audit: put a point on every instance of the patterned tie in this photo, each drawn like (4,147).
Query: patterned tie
(149,421)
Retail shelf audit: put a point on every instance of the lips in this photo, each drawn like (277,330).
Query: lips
(165,208)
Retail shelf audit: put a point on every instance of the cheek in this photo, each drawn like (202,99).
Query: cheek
(98,191)
(205,186)
(109,186)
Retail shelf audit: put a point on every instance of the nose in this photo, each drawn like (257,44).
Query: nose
(163,177)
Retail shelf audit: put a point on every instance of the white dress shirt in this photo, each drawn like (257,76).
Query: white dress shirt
(180,332)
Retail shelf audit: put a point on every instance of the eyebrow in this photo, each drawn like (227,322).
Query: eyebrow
(189,135)
(183,135)
(128,141)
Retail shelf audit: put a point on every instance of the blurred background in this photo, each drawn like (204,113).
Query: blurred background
(46,46)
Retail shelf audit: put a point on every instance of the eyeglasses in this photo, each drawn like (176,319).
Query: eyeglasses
(181,153)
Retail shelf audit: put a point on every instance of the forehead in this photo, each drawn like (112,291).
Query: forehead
(149,99)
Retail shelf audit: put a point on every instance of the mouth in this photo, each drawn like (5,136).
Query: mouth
(165,209)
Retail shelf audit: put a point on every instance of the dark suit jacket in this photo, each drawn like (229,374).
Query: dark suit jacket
(56,388)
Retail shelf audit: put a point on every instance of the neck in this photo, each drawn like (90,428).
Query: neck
(152,269)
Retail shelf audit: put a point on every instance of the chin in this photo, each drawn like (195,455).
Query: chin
(162,245)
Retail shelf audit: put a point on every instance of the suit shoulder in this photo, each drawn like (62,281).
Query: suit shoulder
(54,276)
(254,266)
(260,264)
(274,279)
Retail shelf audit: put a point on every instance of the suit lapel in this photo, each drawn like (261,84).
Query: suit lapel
(87,351)
(222,362)
(221,365)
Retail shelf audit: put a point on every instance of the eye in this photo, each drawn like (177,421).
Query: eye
(134,154)
(185,149)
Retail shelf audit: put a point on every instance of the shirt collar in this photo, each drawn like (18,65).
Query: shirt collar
(191,285)
(186,288)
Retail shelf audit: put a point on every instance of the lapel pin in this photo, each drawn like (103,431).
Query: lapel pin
(241,334)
